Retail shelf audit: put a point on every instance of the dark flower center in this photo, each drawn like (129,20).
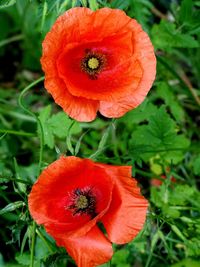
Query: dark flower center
(93,63)
(82,201)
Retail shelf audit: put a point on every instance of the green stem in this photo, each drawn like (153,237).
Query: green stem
(21,104)
(169,68)
(103,141)
(7,131)
(11,39)
(16,180)
(44,240)
(146,174)
(41,135)
(33,244)
(4,110)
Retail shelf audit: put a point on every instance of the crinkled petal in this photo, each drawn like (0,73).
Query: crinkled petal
(78,108)
(120,86)
(127,213)
(51,195)
(120,76)
(92,249)
(145,55)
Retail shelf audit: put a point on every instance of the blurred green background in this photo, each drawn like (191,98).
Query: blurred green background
(160,138)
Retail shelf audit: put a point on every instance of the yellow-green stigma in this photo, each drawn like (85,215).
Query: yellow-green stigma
(93,63)
(82,202)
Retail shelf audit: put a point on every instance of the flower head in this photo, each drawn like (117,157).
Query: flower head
(73,195)
(100,60)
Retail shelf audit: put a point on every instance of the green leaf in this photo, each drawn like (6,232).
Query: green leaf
(48,135)
(165,92)
(93,4)
(185,13)
(60,124)
(21,186)
(181,194)
(196,165)
(6,3)
(161,127)
(84,3)
(24,260)
(12,206)
(120,4)
(178,232)
(139,114)
(57,125)
(186,263)
(120,258)
(41,250)
(159,137)
(165,36)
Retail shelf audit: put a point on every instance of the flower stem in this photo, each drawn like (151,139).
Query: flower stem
(7,131)
(21,104)
(11,39)
(44,240)
(41,136)
(183,80)
(33,244)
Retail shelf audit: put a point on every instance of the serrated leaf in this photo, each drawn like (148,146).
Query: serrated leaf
(161,127)
(60,124)
(56,125)
(139,114)
(166,93)
(165,36)
(181,194)
(24,259)
(159,137)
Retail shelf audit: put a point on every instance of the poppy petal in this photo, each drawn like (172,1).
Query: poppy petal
(118,82)
(56,184)
(127,212)
(119,85)
(145,55)
(79,108)
(89,250)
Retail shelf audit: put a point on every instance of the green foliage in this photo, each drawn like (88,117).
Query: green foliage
(11,207)
(159,138)
(7,3)
(93,4)
(166,36)
(57,125)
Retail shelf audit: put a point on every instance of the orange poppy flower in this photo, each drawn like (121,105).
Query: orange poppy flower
(73,195)
(100,60)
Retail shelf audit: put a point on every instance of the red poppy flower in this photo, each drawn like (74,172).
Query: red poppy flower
(100,60)
(73,195)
